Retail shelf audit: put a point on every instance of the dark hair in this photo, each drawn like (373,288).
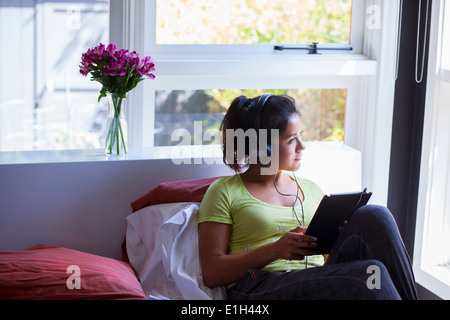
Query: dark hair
(246,113)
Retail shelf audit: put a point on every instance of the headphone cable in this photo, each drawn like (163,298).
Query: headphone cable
(296,198)
(293,206)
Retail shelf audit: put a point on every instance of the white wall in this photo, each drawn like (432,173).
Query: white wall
(80,205)
(79,200)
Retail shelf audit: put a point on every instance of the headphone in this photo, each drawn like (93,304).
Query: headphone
(259,107)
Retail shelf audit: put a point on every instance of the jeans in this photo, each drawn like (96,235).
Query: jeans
(368,261)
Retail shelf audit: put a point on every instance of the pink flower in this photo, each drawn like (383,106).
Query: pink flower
(94,55)
(116,67)
(125,67)
(84,69)
(133,59)
(111,48)
(145,66)
(98,50)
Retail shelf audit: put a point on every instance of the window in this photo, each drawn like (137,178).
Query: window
(348,82)
(208,50)
(323,111)
(365,74)
(44,102)
(253,21)
(55,108)
(446,43)
(252,27)
(432,254)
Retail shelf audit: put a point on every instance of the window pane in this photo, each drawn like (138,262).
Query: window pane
(446,38)
(323,112)
(44,102)
(252,21)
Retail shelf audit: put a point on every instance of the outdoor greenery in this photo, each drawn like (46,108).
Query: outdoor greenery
(251,22)
(323,111)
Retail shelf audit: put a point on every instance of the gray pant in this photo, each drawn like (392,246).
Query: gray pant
(368,261)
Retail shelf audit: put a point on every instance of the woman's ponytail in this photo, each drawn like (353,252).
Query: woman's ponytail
(236,118)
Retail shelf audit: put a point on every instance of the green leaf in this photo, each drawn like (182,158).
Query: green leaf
(102,94)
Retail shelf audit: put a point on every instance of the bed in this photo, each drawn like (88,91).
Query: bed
(159,257)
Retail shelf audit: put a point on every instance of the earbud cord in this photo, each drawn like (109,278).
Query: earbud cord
(296,198)
(293,206)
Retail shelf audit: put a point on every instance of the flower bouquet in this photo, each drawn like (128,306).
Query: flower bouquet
(118,71)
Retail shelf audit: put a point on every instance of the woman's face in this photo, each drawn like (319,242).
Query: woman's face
(291,145)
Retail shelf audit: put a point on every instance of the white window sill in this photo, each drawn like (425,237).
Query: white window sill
(95,155)
(435,279)
(334,166)
(287,65)
(185,154)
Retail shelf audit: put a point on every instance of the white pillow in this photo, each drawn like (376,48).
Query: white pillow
(162,246)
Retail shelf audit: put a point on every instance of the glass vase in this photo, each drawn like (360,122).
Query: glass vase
(116,126)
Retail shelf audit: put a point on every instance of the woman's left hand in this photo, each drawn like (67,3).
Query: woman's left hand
(340,228)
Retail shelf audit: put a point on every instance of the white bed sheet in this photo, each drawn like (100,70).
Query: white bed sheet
(162,246)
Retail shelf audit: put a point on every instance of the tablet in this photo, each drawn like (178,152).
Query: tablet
(333,210)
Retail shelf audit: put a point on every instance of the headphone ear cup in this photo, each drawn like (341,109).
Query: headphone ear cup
(259,153)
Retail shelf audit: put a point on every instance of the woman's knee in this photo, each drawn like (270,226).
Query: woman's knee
(374,215)
(364,279)
(374,210)
(379,281)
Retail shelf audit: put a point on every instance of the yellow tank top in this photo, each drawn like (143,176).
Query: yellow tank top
(256,223)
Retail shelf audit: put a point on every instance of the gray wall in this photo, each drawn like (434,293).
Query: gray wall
(80,205)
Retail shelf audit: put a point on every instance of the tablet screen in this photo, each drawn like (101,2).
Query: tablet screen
(333,210)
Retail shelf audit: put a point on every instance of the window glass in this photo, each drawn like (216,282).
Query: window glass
(44,102)
(252,21)
(323,112)
(446,38)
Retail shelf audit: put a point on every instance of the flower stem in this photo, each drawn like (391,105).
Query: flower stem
(123,140)
(109,138)
(117,135)
(115,140)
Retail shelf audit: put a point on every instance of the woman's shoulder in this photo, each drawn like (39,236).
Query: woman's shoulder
(229,179)
(225,184)
(218,201)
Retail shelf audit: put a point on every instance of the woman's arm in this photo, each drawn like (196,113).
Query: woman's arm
(220,268)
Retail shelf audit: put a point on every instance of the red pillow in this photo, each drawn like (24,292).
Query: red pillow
(174,191)
(43,272)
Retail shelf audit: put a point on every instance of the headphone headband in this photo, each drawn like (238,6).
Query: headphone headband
(259,107)
(263,99)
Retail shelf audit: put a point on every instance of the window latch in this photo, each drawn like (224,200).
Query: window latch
(313,48)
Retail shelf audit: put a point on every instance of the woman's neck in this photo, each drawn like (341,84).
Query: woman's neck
(253,174)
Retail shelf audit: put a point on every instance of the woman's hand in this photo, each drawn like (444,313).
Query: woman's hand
(295,245)
(340,228)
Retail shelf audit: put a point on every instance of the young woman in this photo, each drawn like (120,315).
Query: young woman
(251,224)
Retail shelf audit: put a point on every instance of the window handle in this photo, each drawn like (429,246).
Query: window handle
(313,48)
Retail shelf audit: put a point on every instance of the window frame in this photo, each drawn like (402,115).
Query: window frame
(431,265)
(369,77)
(218,66)
(356,40)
